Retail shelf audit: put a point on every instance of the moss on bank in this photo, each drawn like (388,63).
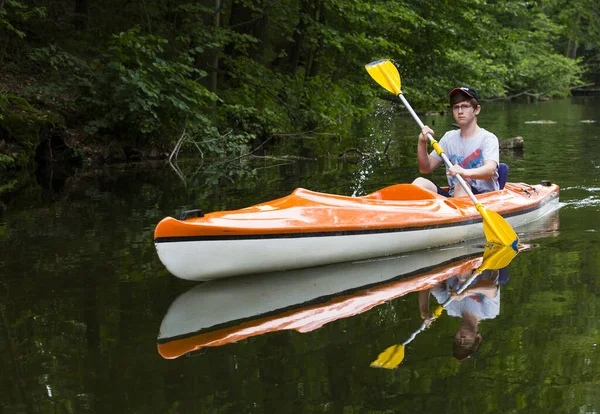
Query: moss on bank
(22,129)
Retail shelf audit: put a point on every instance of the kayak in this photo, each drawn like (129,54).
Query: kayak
(224,311)
(308,228)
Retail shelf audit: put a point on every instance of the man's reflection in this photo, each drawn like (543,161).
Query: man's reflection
(480,300)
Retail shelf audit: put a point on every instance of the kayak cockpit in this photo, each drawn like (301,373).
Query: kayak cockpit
(401,192)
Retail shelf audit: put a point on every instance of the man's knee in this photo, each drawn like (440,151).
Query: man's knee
(459,191)
(420,181)
(425,183)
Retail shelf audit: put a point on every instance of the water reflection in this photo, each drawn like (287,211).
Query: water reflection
(481,300)
(471,298)
(471,295)
(228,310)
(223,311)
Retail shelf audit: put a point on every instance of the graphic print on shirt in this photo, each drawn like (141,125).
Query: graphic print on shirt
(474,160)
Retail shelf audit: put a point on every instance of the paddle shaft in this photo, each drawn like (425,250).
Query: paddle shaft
(463,287)
(438,149)
(415,333)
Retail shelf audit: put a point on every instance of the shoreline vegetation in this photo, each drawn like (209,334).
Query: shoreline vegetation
(84,83)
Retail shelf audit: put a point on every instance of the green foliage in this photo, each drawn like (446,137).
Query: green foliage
(503,49)
(545,73)
(137,89)
(14,13)
(23,129)
(534,66)
(270,102)
(212,143)
(6,162)
(59,60)
(255,68)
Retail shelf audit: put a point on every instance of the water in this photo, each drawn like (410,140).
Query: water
(83,295)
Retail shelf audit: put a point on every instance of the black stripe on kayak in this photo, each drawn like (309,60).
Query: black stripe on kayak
(177,239)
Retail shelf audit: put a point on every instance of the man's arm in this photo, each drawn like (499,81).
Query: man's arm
(424,304)
(486,171)
(486,287)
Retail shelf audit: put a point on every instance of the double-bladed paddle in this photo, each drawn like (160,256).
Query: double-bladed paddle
(496,229)
(494,257)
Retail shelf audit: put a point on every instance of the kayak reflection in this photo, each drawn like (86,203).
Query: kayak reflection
(228,310)
(223,311)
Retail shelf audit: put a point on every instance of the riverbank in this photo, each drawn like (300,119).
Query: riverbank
(33,130)
(36,134)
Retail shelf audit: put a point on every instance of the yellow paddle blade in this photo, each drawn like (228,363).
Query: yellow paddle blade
(496,257)
(385,73)
(438,311)
(390,358)
(496,229)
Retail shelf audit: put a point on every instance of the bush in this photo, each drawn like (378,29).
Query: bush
(138,91)
(133,91)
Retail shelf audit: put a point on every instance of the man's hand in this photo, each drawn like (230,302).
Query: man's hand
(427,318)
(423,135)
(457,169)
(458,296)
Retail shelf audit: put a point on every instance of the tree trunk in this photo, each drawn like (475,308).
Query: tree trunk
(82,14)
(240,20)
(295,48)
(573,44)
(214,75)
(572,49)
(313,66)
(260,32)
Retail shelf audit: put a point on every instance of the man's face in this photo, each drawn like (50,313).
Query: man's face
(466,337)
(465,344)
(464,113)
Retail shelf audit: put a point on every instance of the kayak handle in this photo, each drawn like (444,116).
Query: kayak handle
(191,214)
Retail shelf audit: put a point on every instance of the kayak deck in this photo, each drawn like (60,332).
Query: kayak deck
(399,206)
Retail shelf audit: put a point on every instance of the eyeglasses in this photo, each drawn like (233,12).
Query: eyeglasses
(461,107)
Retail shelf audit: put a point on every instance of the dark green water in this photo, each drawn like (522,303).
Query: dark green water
(83,294)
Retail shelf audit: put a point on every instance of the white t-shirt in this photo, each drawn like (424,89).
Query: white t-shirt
(471,153)
(479,305)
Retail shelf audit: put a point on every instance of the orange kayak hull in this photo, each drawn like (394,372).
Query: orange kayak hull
(308,228)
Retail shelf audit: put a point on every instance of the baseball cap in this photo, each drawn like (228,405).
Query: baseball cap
(466,90)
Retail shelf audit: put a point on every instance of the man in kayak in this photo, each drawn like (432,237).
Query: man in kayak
(473,151)
(481,300)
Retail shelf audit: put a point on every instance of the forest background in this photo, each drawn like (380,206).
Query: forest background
(117,80)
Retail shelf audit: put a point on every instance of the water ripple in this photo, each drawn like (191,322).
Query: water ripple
(581,187)
(592,201)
